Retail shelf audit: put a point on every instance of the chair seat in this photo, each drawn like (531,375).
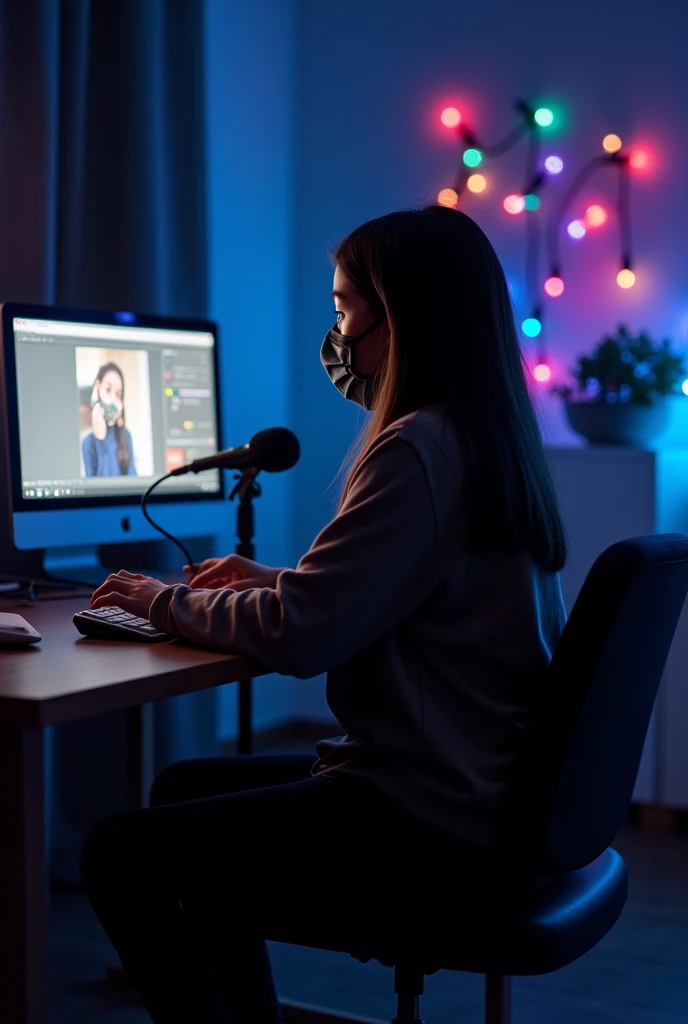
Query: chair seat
(557,920)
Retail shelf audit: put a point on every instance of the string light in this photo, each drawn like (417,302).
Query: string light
(576,229)
(684,387)
(625,278)
(554,286)
(531,327)
(611,143)
(638,160)
(538,167)
(544,117)
(554,164)
(514,204)
(595,216)
(450,117)
(476,183)
(448,197)
(472,157)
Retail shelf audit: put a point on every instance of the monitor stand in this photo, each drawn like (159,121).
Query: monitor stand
(75,564)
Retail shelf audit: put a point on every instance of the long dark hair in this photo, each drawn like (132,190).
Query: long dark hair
(120,430)
(436,277)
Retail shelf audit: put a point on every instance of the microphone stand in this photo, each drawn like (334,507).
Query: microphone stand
(247,489)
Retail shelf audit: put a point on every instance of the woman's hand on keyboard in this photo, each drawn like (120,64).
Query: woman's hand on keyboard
(233,571)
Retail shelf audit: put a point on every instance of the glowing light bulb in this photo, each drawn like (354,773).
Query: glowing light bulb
(531,327)
(542,372)
(554,286)
(684,387)
(472,157)
(595,216)
(448,197)
(531,201)
(611,143)
(476,183)
(625,278)
(638,160)
(514,204)
(576,229)
(554,164)
(544,117)
(450,117)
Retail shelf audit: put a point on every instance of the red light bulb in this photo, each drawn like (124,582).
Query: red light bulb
(595,216)
(638,160)
(514,204)
(554,286)
(450,117)
(542,372)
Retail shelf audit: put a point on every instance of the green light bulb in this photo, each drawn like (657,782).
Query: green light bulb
(472,157)
(544,117)
(531,327)
(531,201)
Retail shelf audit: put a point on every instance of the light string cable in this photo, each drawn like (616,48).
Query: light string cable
(557,218)
(623,207)
(534,181)
(471,141)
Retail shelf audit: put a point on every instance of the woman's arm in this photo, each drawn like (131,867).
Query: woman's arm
(366,571)
(88,452)
(131,471)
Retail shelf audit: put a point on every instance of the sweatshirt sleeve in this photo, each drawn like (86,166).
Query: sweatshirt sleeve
(366,571)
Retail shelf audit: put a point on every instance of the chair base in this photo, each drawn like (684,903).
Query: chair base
(497,1008)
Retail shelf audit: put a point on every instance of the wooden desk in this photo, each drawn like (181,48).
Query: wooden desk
(64,678)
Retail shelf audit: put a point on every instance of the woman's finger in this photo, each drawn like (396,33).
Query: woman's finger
(112,583)
(115,600)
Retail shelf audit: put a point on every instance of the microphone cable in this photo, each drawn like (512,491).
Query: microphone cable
(160,529)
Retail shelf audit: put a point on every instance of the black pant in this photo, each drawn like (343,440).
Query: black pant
(187,888)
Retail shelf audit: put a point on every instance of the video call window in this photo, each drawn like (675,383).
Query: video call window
(106,409)
(115,424)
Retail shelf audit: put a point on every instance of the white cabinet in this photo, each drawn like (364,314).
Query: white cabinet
(608,494)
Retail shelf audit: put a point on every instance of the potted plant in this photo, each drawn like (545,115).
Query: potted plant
(621,389)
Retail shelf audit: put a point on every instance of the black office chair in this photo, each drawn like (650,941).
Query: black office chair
(573,782)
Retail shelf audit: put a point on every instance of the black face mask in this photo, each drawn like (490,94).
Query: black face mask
(335,355)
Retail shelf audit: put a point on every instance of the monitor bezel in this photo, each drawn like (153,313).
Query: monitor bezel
(27,311)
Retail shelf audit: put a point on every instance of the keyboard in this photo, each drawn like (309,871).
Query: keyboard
(114,624)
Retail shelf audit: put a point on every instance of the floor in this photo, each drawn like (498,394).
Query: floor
(637,975)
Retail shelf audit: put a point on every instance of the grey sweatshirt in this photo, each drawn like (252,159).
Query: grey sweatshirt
(433,653)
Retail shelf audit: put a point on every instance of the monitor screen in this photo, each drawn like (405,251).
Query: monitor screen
(98,410)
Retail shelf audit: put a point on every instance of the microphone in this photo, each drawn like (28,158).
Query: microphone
(272,450)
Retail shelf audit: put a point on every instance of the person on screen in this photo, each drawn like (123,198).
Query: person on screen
(432,600)
(108,450)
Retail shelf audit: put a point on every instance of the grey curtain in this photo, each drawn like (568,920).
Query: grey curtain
(102,204)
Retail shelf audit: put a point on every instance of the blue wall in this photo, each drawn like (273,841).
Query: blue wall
(250,133)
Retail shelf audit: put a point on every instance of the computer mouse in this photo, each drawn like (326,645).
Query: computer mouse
(15,631)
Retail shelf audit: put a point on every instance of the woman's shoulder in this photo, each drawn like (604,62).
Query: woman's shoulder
(431,432)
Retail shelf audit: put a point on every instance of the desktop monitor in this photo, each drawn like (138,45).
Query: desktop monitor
(98,406)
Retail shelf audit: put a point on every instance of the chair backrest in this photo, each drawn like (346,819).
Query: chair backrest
(580,750)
